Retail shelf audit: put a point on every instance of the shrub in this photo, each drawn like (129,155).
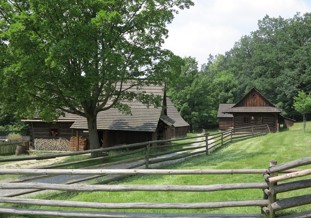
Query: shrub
(14,137)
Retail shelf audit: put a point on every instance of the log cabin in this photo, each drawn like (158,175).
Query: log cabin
(252,109)
(145,123)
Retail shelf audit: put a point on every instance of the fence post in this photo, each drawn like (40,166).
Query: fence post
(206,141)
(222,138)
(252,131)
(270,192)
(268,128)
(231,135)
(147,154)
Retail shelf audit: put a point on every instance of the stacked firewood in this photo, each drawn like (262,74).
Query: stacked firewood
(51,144)
(78,143)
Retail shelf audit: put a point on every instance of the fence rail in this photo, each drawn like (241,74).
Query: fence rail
(151,148)
(270,204)
(274,179)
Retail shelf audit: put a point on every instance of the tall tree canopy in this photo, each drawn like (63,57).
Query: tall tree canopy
(76,56)
(275,58)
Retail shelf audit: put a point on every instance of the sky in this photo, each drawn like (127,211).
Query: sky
(213,26)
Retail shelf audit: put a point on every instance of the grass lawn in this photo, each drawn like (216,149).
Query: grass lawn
(254,153)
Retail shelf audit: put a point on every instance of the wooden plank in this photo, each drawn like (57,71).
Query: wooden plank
(128,171)
(159,160)
(114,188)
(136,205)
(291,202)
(292,186)
(175,151)
(304,214)
(290,165)
(290,175)
(19,211)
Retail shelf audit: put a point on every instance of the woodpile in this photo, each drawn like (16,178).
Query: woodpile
(78,143)
(51,144)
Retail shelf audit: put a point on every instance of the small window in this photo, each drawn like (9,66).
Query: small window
(54,132)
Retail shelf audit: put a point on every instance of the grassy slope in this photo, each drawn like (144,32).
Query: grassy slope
(250,154)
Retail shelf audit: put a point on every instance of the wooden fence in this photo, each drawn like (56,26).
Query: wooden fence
(270,184)
(7,148)
(155,152)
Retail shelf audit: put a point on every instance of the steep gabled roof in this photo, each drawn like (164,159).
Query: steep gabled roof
(253,102)
(174,114)
(253,92)
(142,118)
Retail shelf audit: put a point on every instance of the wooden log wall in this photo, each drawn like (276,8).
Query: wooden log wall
(45,130)
(225,123)
(245,119)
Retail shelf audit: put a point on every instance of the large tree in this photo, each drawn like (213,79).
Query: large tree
(81,57)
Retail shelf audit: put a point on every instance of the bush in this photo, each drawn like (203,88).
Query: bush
(14,137)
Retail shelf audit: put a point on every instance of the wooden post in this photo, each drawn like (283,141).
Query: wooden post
(222,138)
(231,134)
(268,128)
(272,194)
(77,141)
(252,131)
(147,154)
(206,141)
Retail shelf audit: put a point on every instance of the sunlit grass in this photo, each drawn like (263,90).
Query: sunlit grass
(254,153)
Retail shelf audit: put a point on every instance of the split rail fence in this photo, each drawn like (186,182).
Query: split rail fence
(271,184)
(156,152)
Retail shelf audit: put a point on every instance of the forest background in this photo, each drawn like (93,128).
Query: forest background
(275,58)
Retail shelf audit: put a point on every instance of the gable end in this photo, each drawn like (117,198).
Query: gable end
(254,99)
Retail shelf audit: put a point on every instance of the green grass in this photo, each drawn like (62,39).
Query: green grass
(254,153)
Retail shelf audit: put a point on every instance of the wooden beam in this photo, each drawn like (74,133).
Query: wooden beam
(114,188)
(291,202)
(290,165)
(290,175)
(128,171)
(292,186)
(136,205)
(19,211)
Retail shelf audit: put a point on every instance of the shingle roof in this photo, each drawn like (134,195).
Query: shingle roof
(254,110)
(168,121)
(174,114)
(142,117)
(223,108)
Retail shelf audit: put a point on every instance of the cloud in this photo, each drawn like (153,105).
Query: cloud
(213,26)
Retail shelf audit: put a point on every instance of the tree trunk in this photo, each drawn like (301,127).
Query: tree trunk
(304,122)
(93,133)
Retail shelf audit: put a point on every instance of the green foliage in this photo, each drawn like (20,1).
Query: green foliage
(64,56)
(14,137)
(197,93)
(302,104)
(273,58)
